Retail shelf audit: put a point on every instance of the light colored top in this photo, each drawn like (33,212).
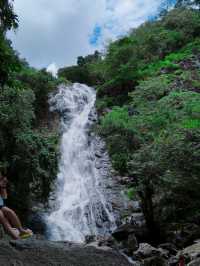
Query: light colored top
(1,201)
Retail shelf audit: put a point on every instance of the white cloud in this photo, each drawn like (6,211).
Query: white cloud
(59,31)
(122,15)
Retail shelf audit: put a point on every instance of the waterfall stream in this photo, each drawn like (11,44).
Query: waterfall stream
(80,206)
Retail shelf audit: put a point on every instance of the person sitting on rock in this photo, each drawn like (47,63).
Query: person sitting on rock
(8,217)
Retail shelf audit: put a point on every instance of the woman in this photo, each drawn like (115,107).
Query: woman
(8,217)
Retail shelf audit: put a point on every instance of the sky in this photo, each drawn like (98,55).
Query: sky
(53,33)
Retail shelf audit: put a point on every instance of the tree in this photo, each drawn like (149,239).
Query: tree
(8,19)
(80,61)
(185,3)
(8,58)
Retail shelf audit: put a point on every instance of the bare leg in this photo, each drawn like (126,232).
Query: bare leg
(7,226)
(14,220)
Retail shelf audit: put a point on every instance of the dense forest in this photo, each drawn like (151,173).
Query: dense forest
(28,142)
(148,100)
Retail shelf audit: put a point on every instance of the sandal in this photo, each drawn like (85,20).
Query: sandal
(25,235)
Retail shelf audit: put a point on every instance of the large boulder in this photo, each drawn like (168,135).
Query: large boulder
(132,243)
(183,235)
(145,251)
(154,261)
(33,252)
(195,262)
(192,252)
(150,256)
(171,248)
(136,228)
(123,231)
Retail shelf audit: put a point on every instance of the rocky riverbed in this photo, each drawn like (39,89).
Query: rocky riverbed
(123,248)
(36,252)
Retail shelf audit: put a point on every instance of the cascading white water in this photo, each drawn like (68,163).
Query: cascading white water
(81,208)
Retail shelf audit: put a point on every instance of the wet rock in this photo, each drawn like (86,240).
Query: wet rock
(150,256)
(195,262)
(3,235)
(107,241)
(98,154)
(36,223)
(145,251)
(192,252)
(124,230)
(155,261)
(164,253)
(124,180)
(132,243)
(138,219)
(32,252)
(96,245)
(170,247)
(134,206)
(173,261)
(89,239)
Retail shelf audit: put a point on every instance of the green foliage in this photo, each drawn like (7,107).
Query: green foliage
(150,90)
(141,53)
(171,62)
(188,3)
(169,169)
(161,124)
(84,71)
(148,94)
(16,110)
(28,150)
(148,98)
(191,123)
(9,61)
(131,193)
(8,18)
(42,84)
(29,156)
(121,137)
(75,74)
(34,159)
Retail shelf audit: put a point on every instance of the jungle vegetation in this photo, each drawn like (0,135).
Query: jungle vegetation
(148,100)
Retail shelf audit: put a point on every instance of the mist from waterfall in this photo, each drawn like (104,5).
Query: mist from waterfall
(80,207)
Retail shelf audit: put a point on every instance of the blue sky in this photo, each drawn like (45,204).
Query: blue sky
(59,31)
(96,35)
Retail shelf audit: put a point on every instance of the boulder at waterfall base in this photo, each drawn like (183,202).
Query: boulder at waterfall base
(32,252)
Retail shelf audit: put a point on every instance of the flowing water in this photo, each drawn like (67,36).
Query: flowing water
(80,207)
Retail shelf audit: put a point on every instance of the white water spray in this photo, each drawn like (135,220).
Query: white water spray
(81,208)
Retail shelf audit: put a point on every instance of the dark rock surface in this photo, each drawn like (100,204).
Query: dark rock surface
(123,231)
(184,236)
(195,262)
(112,190)
(149,255)
(33,252)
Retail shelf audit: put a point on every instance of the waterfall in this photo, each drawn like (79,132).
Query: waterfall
(80,206)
